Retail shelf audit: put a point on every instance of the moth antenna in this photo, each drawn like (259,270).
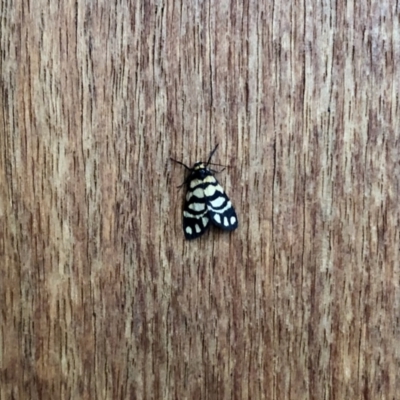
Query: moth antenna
(211,154)
(219,165)
(217,172)
(181,163)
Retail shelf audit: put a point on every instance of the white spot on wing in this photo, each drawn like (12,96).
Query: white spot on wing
(218,201)
(197,228)
(195,182)
(217,218)
(187,214)
(233,220)
(226,223)
(222,210)
(188,230)
(199,193)
(211,189)
(205,221)
(197,206)
(210,179)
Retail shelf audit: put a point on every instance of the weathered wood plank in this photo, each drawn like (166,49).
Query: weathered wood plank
(102,297)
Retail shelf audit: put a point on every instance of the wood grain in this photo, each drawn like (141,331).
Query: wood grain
(101,297)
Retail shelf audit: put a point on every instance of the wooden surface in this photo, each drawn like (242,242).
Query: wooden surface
(101,296)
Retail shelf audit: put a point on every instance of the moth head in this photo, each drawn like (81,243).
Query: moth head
(199,165)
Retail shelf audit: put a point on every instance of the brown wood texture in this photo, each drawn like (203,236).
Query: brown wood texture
(101,296)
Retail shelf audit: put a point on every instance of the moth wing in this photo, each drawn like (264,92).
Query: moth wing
(195,214)
(220,208)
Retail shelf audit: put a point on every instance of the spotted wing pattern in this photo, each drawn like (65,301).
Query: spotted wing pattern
(206,202)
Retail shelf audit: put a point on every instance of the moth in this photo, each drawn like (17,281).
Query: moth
(206,201)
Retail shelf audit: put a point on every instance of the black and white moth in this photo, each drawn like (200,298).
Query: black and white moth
(206,202)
